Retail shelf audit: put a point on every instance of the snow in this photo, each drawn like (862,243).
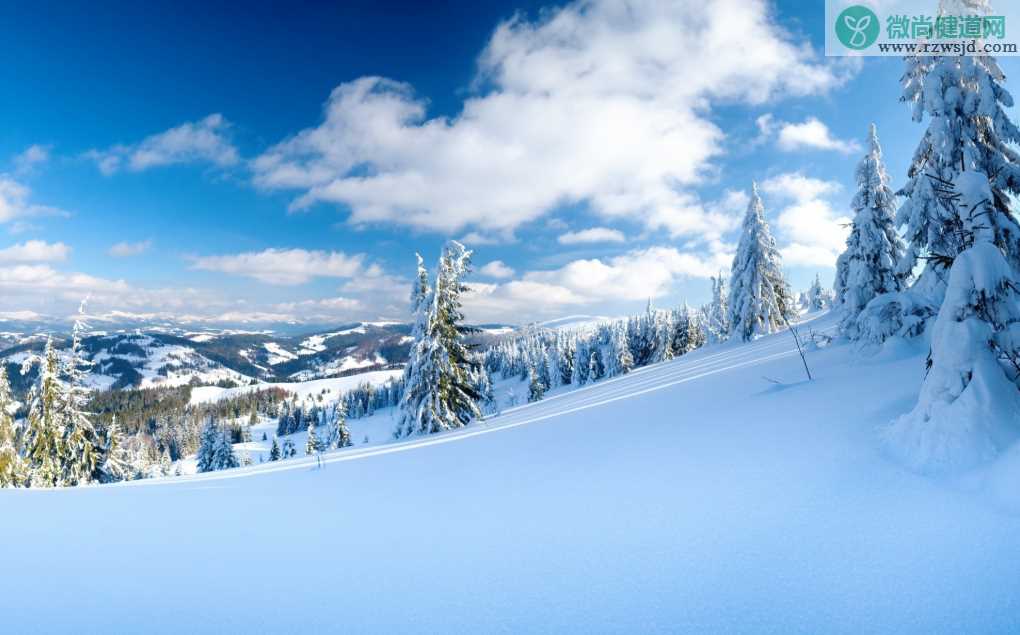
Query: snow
(691,496)
(278,354)
(575,322)
(331,385)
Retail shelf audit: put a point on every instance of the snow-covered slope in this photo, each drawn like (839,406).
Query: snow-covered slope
(693,496)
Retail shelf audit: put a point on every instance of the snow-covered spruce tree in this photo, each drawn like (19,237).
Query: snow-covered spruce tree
(717,312)
(45,434)
(438,392)
(274,451)
(817,297)
(596,369)
(968,129)
(339,434)
(207,446)
(116,465)
(760,300)
(82,447)
(870,265)
(13,469)
(312,444)
(536,389)
(968,408)
(223,454)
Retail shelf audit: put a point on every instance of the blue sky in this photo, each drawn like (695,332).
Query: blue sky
(287,162)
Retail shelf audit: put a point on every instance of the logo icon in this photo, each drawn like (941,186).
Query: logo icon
(857,27)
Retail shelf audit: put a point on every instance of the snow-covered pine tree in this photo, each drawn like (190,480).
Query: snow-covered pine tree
(82,447)
(870,265)
(817,297)
(717,312)
(44,436)
(438,392)
(274,451)
(339,434)
(536,389)
(596,369)
(165,464)
(968,408)
(579,377)
(312,444)
(223,453)
(760,300)
(116,465)
(621,361)
(968,129)
(13,470)
(208,442)
(289,450)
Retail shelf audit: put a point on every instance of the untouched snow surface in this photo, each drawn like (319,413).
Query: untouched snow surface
(692,496)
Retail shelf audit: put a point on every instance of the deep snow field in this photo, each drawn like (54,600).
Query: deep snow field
(697,495)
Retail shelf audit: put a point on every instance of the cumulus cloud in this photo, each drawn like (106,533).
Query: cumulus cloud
(811,134)
(813,232)
(126,249)
(497,269)
(597,102)
(593,235)
(32,157)
(15,203)
(204,141)
(634,276)
(35,251)
(287,266)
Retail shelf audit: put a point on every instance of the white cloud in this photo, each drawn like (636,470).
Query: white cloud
(634,276)
(812,134)
(35,251)
(598,102)
(203,141)
(497,269)
(286,266)
(813,232)
(593,235)
(126,249)
(33,156)
(15,203)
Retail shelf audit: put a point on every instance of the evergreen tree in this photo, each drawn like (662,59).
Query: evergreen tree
(818,297)
(274,452)
(165,464)
(536,390)
(208,444)
(760,300)
(82,447)
(968,129)
(718,319)
(13,470)
(968,406)
(289,451)
(870,265)
(116,464)
(438,392)
(223,453)
(596,370)
(44,437)
(339,434)
(312,444)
